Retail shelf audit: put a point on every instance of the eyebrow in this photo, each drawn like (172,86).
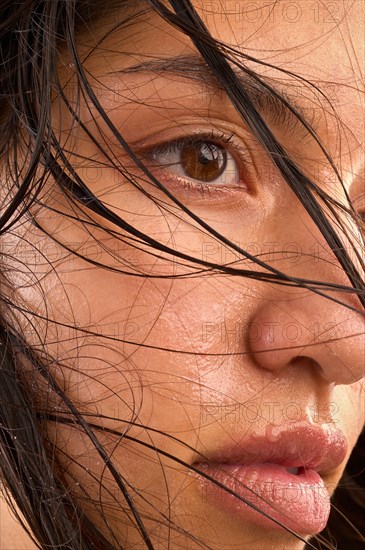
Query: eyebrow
(274,105)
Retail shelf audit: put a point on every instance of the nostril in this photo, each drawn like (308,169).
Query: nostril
(305,361)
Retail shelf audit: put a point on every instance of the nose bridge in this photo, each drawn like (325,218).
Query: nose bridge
(299,248)
(282,333)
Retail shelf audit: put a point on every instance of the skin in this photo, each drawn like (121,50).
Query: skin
(213,314)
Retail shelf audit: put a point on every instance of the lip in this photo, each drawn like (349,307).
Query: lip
(321,448)
(255,469)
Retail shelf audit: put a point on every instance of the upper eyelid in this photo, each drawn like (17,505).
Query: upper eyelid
(273,105)
(195,138)
(215,136)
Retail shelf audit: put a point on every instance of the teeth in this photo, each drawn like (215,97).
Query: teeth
(294,471)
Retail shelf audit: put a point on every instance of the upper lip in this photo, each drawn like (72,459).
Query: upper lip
(321,448)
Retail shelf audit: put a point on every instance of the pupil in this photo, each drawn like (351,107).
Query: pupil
(207,154)
(203,161)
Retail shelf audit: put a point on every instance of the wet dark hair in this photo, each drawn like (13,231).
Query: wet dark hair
(32,34)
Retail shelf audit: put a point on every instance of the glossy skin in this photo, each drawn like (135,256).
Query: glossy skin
(256,349)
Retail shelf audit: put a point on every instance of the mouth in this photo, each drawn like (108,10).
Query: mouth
(275,485)
(294,471)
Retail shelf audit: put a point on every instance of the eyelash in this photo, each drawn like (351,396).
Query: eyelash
(194,138)
(239,154)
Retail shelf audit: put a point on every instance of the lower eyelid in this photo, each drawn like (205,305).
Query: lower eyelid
(182,186)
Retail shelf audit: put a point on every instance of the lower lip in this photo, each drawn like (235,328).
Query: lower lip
(299,501)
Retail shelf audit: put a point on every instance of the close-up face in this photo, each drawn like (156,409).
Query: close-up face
(251,374)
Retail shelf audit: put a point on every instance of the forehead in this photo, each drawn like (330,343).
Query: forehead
(322,42)
(275,31)
(286,30)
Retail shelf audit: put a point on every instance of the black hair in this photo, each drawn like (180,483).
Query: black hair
(32,35)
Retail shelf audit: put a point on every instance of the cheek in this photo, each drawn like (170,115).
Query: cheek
(115,340)
(349,410)
(153,352)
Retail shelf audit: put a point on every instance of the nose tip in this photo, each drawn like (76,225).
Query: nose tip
(281,334)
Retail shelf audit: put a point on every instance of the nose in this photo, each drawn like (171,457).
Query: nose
(308,330)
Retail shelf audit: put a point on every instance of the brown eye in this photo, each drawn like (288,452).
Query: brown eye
(203,161)
(198,161)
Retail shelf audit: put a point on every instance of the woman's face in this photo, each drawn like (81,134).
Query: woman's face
(262,379)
